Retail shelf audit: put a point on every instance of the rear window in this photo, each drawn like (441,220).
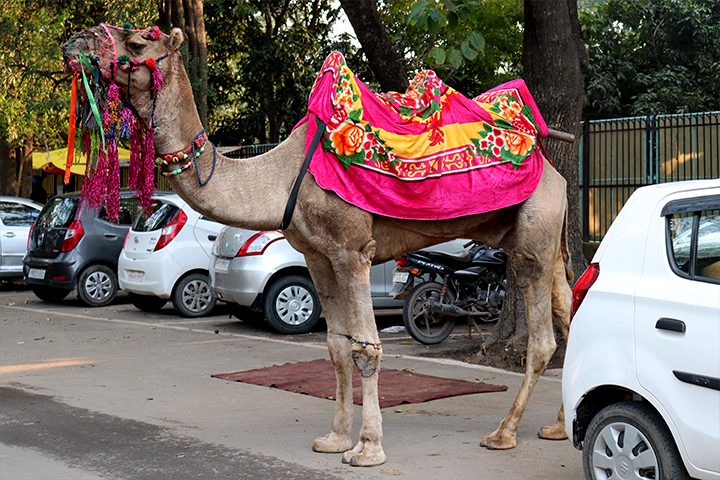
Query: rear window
(161,215)
(129,208)
(694,243)
(17,214)
(59,212)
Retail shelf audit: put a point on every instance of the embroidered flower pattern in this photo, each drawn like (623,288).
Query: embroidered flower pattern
(350,138)
(513,137)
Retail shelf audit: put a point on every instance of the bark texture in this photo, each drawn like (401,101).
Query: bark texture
(554,56)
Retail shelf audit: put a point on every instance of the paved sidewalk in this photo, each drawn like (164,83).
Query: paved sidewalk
(118,393)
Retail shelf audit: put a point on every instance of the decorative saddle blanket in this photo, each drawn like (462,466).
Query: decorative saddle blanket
(428,154)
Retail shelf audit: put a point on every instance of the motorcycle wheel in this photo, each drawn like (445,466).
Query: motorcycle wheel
(424,326)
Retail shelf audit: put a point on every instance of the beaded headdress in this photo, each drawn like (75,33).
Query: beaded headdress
(103,117)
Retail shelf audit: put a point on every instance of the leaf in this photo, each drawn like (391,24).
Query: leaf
(405,111)
(477,41)
(432,27)
(467,51)
(434,14)
(438,55)
(502,123)
(418,10)
(455,58)
(452,21)
(355,115)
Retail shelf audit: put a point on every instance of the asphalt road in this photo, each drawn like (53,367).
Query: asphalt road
(113,392)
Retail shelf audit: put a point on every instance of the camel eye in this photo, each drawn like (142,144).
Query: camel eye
(136,47)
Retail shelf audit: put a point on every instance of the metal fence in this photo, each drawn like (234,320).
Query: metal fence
(618,156)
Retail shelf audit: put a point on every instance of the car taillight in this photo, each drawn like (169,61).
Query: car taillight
(258,243)
(171,230)
(402,261)
(27,247)
(127,235)
(583,285)
(72,237)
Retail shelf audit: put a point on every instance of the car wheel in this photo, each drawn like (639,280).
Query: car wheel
(97,286)
(292,305)
(147,303)
(50,294)
(423,325)
(241,312)
(629,440)
(193,296)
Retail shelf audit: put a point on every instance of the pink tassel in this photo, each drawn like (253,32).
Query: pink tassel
(157,81)
(146,183)
(112,201)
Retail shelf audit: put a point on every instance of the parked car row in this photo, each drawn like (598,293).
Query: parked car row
(176,254)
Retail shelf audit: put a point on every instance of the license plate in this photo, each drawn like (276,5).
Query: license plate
(222,265)
(135,276)
(38,273)
(400,277)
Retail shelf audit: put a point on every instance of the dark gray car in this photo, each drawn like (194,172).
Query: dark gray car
(74,247)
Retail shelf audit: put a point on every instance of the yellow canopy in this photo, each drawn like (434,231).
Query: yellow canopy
(54,160)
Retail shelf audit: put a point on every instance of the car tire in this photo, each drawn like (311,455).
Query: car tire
(97,286)
(193,296)
(292,305)
(650,453)
(245,314)
(50,294)
(147,303)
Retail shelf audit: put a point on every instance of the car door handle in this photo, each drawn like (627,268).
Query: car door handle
(110,236)
(671,325)
(212,238)
(9,235)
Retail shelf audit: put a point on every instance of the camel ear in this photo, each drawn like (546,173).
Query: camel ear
(176,39)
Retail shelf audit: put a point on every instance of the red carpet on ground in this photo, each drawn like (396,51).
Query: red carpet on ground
(317,378)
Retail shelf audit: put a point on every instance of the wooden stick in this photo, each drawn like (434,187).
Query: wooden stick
(562,136)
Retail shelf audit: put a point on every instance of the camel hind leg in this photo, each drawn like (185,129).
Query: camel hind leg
(561,302)
(534,279)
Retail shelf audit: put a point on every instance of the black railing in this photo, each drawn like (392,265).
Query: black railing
(620,155)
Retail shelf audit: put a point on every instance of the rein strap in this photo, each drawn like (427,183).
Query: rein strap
(290,207)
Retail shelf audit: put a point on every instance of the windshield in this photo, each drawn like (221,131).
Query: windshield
(161,215)
(58,212)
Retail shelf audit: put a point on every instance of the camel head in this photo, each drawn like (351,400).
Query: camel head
(124,56)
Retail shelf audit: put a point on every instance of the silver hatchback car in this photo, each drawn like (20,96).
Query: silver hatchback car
(260,272)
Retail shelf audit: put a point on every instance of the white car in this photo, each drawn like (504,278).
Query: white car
(641,379)
(166,256)
(261,272)
(17,215)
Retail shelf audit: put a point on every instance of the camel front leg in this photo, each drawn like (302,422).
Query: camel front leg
(338,440)
(369,449)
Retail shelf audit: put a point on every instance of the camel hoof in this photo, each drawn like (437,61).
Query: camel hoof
(364,455)
(498,442)
(556,432)
(332,443)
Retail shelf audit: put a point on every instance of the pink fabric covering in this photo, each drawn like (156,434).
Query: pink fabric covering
(428,154)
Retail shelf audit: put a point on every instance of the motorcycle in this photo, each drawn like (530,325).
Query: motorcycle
(439,287)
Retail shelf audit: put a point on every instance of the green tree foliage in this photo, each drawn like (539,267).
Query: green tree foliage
(263,57)
(652,57)
(472,45)
(34,90)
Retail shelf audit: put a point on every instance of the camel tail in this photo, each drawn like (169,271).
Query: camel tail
(565,249)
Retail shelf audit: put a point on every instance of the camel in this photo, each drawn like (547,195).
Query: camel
(340,241)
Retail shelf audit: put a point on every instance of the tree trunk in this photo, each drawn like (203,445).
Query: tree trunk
(16,168)
(553,58)
(197,45)
(187,15)
(377,44)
